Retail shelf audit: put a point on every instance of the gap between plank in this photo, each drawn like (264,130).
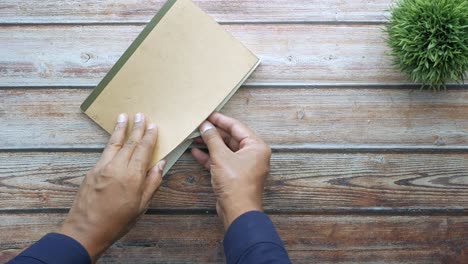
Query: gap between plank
(306,148)
(137,23)
(331,212)
(299,85)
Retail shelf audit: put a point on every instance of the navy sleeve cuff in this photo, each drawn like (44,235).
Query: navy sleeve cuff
(246,231)
(54,248)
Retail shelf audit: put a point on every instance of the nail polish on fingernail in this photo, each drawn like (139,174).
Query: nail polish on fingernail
(161,165)
(122,118)
(152,126)
(205,126)
(138,117)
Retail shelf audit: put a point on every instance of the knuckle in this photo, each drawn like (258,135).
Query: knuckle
(138,167)
(107,170)
(263,166)
(132,142)
(265,149)
(138,160)
(115,143)
(209,135)
(151,132)
(236,123)
(146,143)
(117,128)
(137,126)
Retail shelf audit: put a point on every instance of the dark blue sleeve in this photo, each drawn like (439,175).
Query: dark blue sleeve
(252,238)
(53,248)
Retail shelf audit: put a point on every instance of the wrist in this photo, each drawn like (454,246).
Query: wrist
(83,236)
(233,208)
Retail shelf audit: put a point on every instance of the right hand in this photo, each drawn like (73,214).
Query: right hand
(239,162)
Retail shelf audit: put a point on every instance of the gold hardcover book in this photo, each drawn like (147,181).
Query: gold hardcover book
(181,67)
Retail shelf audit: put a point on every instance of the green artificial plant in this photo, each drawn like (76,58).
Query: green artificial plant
(429,40)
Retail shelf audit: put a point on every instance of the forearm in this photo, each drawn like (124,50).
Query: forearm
(53,248)
(252,238)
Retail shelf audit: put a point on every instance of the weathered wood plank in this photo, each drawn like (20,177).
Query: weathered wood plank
(299,182)
(309,239)
(141,11)
(296,118)
(306,54)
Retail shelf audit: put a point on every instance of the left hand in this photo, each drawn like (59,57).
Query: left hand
(117,190)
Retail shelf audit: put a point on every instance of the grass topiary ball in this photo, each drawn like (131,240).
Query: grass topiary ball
(429,40)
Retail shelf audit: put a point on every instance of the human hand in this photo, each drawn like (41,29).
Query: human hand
(239,162)
(117,190)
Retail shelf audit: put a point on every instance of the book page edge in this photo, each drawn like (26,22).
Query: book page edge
(196,133)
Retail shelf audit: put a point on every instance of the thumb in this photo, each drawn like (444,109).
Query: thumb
(212,138)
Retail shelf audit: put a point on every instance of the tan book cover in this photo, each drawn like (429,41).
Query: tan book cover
(181,67)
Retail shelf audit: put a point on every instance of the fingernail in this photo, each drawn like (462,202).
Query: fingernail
(151,126)
(122,118)
(138,117)
(161,165)
(205,126)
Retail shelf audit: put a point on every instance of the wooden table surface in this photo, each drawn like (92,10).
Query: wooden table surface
(366,168)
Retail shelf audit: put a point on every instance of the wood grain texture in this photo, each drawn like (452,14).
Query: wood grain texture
(298,182)
(286,118)
(309,239)
(305,54)
(233,11)
(319,135)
